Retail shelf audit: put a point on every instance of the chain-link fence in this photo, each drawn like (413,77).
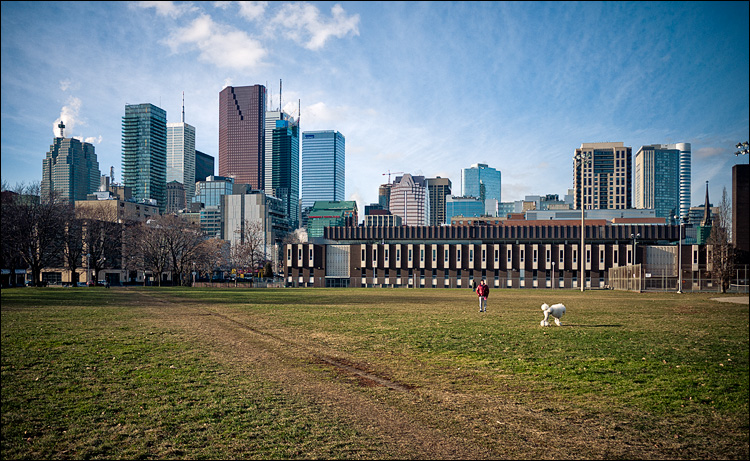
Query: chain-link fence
(635,278)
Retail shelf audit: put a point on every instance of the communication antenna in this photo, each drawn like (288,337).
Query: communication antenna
(279,95)
(61,125)
(299,110)
(183,107)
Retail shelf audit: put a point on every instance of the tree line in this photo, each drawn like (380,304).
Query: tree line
(43,232)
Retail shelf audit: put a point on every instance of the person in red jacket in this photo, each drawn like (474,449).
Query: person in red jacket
(483,291)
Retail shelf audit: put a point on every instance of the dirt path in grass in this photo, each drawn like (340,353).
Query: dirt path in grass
(414,422)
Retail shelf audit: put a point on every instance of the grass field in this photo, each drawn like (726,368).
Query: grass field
(145,373)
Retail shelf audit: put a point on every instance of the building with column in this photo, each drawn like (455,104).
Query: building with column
(482,182)
(144,153)
(70,168)
(510,255)
(242,115)
(438,190)
(603,176)
(323,164)
(409,200)
(657,180)
(181,154)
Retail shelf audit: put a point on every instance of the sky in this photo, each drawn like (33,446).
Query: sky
(415,87)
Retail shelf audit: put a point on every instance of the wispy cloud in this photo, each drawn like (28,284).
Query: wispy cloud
(169,9)
(304,24)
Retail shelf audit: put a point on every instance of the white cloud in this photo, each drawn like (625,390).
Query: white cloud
(170,9)
(304,24)
(252,10)
(221,46)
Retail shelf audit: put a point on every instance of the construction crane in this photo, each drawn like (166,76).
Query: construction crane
(389,174)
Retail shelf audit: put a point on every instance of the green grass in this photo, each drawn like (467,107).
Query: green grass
(89,373)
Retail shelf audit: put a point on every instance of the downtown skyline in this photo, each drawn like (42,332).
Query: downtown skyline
(421,88)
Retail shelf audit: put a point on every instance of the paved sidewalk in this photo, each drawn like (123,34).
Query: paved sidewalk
(737,299)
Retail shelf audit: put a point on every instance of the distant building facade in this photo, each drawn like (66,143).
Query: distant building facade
(70,168)
(603,176)
(144,153)
(181,155)
(409,200)
(242,115)
(657,180)
(481,181)
(323,167)
(438,190)
(204,166)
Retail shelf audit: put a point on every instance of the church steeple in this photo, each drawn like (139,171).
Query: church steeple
(706,222)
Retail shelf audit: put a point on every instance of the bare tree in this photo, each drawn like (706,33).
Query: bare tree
(147,248)
(250,252)
(102,236)
(182,239)
(722,253)
(33,227)
(211,255)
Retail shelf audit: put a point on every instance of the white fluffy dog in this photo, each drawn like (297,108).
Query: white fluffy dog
(555,310)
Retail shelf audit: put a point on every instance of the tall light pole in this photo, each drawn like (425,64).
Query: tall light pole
(679,258)
(553,275)
(635,238)
(582,158)
(743,148)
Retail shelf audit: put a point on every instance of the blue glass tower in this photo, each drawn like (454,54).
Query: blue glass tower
(144,153)
(323,167)
(481,181)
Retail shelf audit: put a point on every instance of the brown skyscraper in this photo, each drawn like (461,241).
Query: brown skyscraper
(242,116)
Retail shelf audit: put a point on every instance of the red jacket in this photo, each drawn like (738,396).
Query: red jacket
(483,290)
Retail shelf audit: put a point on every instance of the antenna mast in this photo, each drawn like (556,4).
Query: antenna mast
(183,107)
(279,95)
(299,110)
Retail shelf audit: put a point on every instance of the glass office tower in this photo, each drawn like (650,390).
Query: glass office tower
(323,167)
(481,181)
(144,153)
(242,124)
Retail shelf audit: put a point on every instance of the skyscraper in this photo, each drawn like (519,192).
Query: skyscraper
(605,169)
(323,167)
(409,200)
(284,177)
(204,166)
(144,152)
(181,154)
(657,180)
(242,115)
(482,182)
(70,168)
(685,176)
(437,190)
(272,116)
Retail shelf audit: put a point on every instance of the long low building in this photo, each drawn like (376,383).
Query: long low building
(519,255)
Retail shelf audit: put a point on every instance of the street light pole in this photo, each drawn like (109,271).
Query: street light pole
(553,275)
(582,158)
(679,258)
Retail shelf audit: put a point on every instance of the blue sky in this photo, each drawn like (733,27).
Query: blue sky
(422,88)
